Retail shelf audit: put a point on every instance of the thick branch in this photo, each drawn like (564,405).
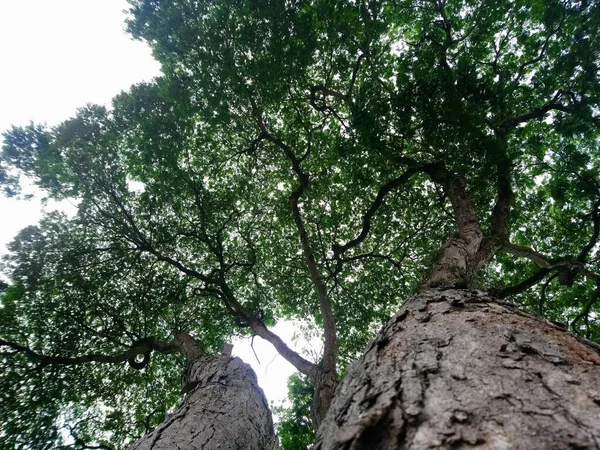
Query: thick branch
(464,210)
(536,113)
(303,365)
(582,257)
(523,285)
(567,266)
(330,350)
(500,213)
(221,290)
(289,153)
(143,346)
(354,74)
(526,252)
(188,345)
(553,105)
(324,379)
(453,264)
(326,92)
(586,310)
(258,116)
(500,228)
(190,272)
(379,199)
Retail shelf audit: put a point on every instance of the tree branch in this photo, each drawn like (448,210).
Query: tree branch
(338,250)
(454,263)
(330,350)
(500,226)
(582,257)
(188,346)
(143,346)
(221,290)
(568,267)
(178,265)
(542,300)
(354,74)
(543,47)
(526,252)
(523,285)
(586,310)
(81,443)
(536,113)
(324,378)
(258,326)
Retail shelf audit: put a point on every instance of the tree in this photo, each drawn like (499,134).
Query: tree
(319,161)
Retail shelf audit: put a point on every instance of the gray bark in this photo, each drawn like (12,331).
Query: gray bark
(224,409)
(453,266)
(457,369)
(325,382)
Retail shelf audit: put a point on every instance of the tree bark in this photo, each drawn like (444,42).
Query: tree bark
(453,266)
(456,368)
(224,408)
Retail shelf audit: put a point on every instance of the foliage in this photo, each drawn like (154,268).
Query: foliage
(294,426)
(183,189)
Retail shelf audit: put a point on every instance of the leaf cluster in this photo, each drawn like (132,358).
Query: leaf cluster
(182,189)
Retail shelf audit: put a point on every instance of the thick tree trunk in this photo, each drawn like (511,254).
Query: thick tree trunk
(456,369)
(223,409)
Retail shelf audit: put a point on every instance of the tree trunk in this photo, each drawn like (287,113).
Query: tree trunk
(223,409)
(457,369)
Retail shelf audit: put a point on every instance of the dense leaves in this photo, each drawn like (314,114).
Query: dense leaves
(296,159)
(295,428)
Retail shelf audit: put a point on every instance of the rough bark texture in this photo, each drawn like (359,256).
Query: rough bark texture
(456,369)
(325,383)
(223,409)
(453,266)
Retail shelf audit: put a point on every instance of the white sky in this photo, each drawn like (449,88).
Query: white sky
(57,55)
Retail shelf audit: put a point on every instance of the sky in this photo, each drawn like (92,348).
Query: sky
(58,55)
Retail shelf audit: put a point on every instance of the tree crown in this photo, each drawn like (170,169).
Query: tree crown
(301,160)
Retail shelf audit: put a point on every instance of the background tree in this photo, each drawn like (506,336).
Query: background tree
(310,160)
(295,429)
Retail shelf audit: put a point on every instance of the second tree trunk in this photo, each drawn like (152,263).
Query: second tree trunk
(456,369)
(223,409)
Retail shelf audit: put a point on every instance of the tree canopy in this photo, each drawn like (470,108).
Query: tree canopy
(303,160)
